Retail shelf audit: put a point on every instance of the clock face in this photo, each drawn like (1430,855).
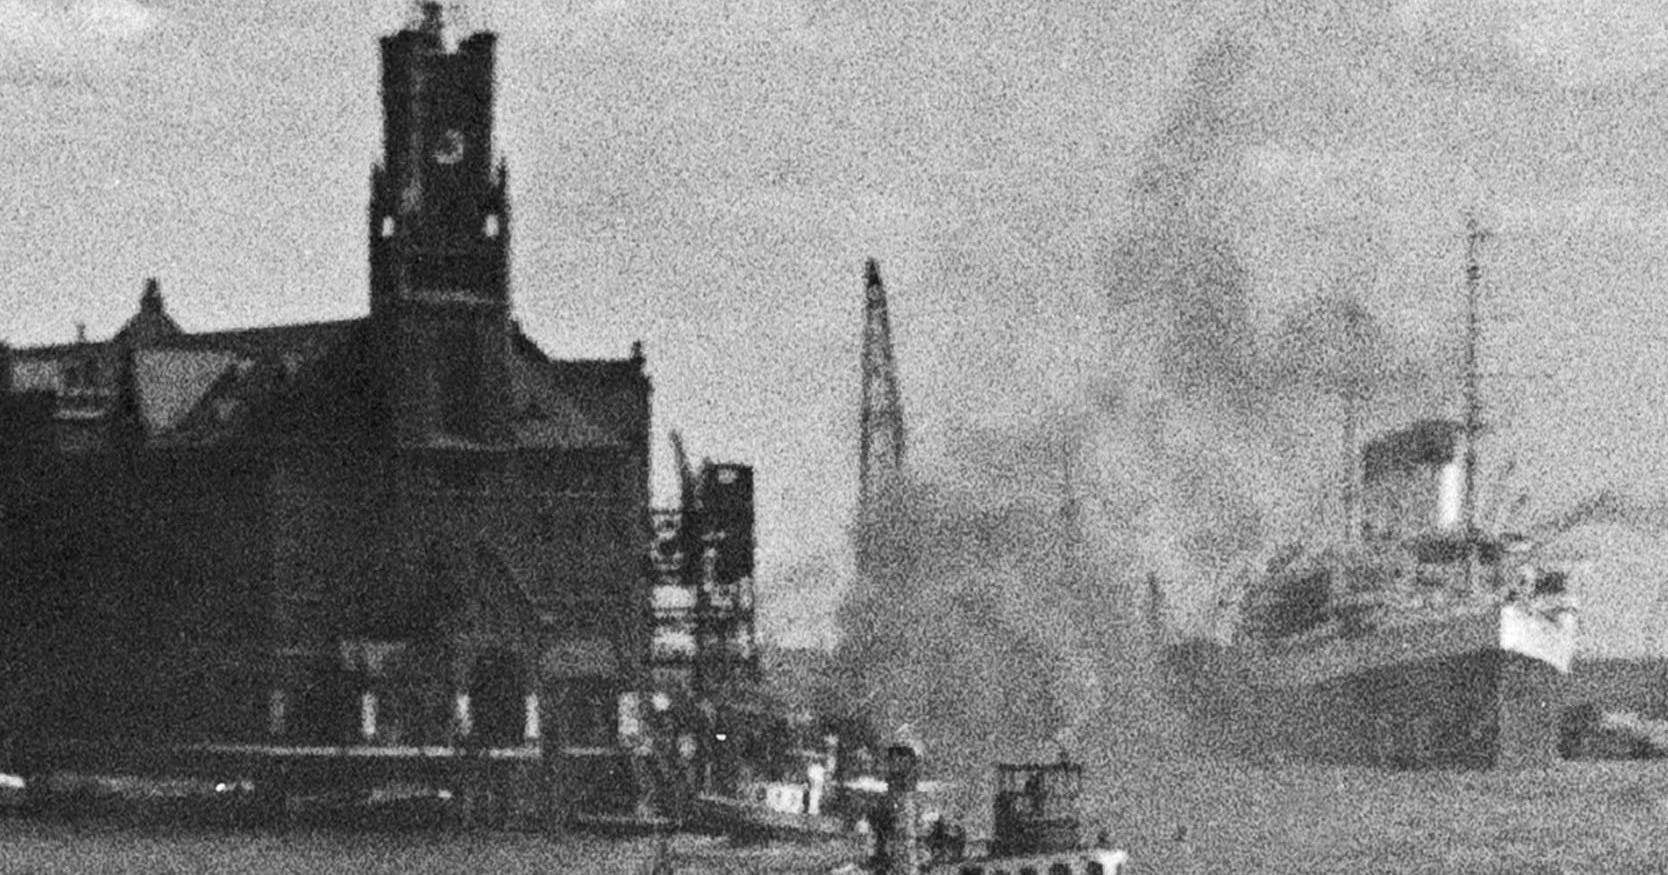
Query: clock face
(450,150)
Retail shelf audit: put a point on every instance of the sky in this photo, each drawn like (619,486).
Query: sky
(708,176)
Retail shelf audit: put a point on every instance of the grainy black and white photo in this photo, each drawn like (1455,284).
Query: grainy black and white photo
(834,436)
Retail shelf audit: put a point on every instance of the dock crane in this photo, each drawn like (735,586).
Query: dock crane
(880,416)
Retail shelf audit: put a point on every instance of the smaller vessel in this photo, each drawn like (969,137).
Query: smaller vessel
(767,811)
(1036,827)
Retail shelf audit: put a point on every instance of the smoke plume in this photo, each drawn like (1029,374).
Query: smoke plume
(1000,611)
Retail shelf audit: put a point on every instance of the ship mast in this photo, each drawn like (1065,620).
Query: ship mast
(1475,236)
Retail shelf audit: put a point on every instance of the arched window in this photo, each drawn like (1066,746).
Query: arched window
(387,227)
(490,228)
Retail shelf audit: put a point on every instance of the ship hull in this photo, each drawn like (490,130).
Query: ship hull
(719,815)
(1477,691)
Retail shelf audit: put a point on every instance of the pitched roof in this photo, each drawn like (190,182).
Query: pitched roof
(311,382)
(546,411)
(170,375)
(295,344)
(323,394)
(612,394)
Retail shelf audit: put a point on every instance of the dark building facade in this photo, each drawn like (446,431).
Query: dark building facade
(407,529)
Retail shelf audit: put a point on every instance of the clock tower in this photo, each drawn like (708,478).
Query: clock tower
(439,236)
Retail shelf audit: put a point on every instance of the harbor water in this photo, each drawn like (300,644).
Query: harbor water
(1205,816)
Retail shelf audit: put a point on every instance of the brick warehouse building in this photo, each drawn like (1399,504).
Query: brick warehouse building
(405,529)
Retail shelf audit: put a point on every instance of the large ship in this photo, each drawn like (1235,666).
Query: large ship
(1419,636)
(1424,642)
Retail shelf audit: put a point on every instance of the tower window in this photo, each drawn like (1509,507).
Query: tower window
(491,227)
(387,227)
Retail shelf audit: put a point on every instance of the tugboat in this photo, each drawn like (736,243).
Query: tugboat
(1037,827)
